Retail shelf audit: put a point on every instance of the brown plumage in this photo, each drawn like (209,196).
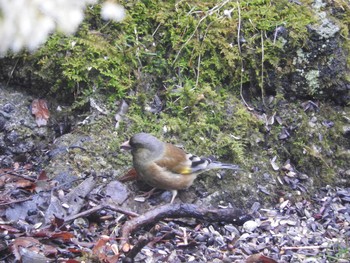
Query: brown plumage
(165,166)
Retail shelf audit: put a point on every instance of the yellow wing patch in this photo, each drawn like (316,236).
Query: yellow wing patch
(185,170)
(175,160)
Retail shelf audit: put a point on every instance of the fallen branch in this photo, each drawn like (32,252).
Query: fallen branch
(121,210)
(143,241)
(304,247)
(16,201)
(99,207)
(229,215)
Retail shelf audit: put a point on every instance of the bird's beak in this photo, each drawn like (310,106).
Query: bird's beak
(125,146)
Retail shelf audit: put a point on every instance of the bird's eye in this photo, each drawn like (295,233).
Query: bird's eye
(131,142)
(134,144)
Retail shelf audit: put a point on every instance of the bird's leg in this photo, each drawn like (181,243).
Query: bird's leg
(149,193)
(174,192)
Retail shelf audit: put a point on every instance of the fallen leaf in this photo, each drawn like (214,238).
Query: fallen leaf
(29,246)
(47,233)
(42,176)
(25,184)
(259,258)
(9,229)
(131,175)
(102,249)
(41,112)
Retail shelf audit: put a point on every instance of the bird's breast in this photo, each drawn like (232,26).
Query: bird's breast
(160,177)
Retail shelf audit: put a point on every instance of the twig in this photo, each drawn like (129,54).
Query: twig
(137,55)
(11,73)
(99,207)
(105,25)
(84,213)
(239,28)
(199,56)
(155,31)
(304,247)
(241,88)
(262,69)
(231,215)
(143,241)
(121,210)
(240,53)
(15,173)
(16,201)
(198,66)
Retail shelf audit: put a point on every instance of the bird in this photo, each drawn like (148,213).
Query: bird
(165,166)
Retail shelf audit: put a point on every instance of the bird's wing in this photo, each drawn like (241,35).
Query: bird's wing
(178,161)
(175,160)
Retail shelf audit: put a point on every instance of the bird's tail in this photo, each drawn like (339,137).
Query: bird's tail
(202,164)
(218,165)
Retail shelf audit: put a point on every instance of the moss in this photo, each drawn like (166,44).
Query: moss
(315,143)
(312,79)
(183,67)
(341,14)
(219,132)
(175,43)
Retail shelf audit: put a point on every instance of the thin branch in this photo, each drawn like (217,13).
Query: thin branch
(304,247)
(121,210)
(239,28)
(99,207)
(15,173)
(262,68)
(16,201)
(84,213)
(240,53)
(143,241)
(11,73)
(155,31)
(105,25)
(198,66)
(231,215)
(199,56)
(137,47)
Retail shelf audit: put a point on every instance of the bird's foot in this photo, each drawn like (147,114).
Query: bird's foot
(174,192)
(145,195)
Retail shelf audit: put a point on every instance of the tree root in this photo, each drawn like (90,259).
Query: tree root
(228,215)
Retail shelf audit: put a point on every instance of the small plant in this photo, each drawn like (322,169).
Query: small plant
(342,253)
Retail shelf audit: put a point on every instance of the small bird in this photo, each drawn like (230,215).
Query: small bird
(165,166)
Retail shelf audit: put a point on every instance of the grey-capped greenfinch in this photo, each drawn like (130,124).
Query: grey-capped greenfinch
(165,166)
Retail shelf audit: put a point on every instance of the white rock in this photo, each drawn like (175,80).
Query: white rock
(250,226)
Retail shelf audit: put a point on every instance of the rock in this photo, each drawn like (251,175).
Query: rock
(19,135)
(117,191)
(346,131)
(250,226)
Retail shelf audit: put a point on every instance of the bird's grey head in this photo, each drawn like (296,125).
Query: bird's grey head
(145,141)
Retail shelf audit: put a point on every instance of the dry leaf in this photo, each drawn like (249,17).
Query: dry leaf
(42,176)
(41,112)
(31,247)
(25,184)
(259,258)
(131,175)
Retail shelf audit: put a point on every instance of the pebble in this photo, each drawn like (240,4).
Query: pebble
(250,226)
